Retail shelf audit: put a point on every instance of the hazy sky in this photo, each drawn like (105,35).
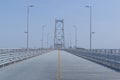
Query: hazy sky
(105,22)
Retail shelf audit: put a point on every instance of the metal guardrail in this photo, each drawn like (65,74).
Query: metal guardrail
(12,56)
(109,51)
(111,58)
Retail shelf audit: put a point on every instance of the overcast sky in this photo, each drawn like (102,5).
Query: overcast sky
(105,22)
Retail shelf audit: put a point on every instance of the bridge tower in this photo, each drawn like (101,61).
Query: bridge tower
(59,41)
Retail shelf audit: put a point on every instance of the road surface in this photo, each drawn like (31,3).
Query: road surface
(44,67)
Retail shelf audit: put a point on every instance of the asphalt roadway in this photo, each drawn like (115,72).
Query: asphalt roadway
(45,67)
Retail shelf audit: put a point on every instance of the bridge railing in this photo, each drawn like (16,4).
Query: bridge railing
(10,56)
(106,51)
(107,57)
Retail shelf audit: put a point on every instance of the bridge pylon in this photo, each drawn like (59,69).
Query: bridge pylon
(59,41)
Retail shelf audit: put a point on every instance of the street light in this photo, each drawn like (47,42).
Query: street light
(27,32)
(70,41)
(47,39)
(43,36)
(75,36)
(90,7)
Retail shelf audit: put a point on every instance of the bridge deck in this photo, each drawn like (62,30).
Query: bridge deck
(44,67)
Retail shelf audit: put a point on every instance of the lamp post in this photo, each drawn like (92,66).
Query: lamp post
(43,36)
(27,32)
(48,40)
(70,41)
(90,7)
(75,36)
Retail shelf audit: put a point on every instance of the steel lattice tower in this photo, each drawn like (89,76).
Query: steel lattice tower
(59,34)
